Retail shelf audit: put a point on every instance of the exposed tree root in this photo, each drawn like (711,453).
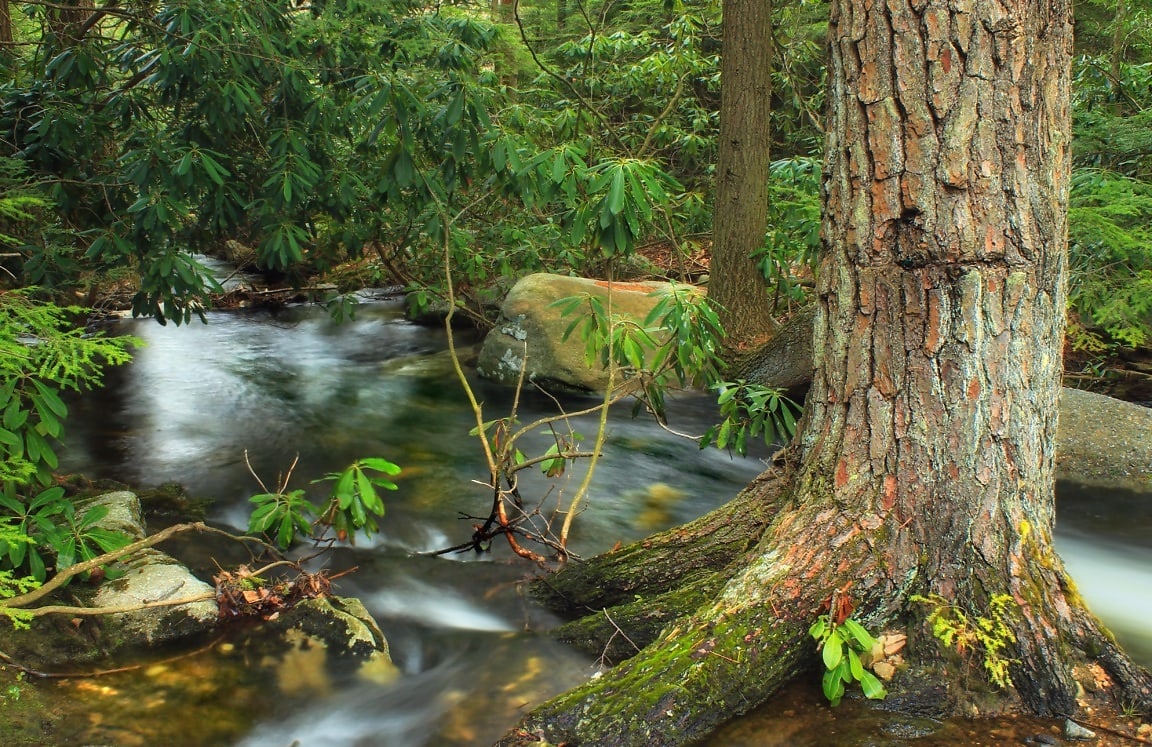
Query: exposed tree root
(749,635)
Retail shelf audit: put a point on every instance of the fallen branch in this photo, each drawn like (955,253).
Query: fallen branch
(65,575)
(64,609)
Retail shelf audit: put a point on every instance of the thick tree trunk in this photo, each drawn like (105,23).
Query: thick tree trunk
(925,462)
(740,215)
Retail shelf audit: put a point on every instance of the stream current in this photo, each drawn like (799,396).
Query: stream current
(466,639)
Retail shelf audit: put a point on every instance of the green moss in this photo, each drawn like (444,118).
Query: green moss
(684,684)
(27,716)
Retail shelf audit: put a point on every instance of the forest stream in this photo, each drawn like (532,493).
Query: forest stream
(468,642)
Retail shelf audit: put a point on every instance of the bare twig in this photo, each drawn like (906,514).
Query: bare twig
(61,578)
(103,672)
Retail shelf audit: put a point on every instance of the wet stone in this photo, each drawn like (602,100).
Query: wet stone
(910,728)
(1077,733)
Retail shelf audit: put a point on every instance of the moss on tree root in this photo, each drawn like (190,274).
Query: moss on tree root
(681,688)
(620,632)
(677,558)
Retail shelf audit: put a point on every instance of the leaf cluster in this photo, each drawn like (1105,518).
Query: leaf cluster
(840,648)
(753,411)
(353,505)
(988,637)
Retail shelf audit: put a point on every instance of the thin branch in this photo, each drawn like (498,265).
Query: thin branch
(64,609)
(62,577)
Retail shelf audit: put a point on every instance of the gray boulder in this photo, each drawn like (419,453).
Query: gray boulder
(150,576)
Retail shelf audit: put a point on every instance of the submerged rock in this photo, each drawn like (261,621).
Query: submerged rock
(311,643)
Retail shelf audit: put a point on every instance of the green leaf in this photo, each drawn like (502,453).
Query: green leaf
(858,632)
(615,200)
(854,665)
(51,399)
(262,518)
(368,495)
(286,532)
(872,687)
(833,652)
(833,687)
(14,443)
(345,486)
(381,465)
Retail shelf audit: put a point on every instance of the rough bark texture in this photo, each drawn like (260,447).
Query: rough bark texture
(941,306)
(741,212)
(5,23)
(925,462)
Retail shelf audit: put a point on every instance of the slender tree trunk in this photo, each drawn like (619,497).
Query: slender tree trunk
(741,211)
(924,464)
(66,20)
(5,23)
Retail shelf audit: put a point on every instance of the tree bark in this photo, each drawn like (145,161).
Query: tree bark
(66,20)
(924,465)
(5,23)
(740,215)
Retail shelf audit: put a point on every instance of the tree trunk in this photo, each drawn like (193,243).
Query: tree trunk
(67,19)
(740,215)
(924,464)
(5,23)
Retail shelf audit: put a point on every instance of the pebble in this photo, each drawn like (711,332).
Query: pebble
(1076,732)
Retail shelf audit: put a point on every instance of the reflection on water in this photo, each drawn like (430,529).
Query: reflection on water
(460,627)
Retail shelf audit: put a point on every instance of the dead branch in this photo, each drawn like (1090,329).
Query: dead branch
(65,575)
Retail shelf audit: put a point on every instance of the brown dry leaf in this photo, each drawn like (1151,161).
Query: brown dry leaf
(893,643)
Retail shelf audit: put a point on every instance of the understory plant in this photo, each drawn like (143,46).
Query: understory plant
(43,354)
(841,646)
(353,504)
(986,636)
(1110,256)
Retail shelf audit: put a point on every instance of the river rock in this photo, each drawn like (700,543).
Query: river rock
(1077,733)
(530,332)
(1104,441)
(56,640)
(307,645)
(149,575)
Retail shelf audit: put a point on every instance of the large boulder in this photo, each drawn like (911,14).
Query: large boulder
(530,332)
(1104,441)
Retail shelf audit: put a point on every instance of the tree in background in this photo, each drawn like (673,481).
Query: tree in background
(737,284)
(922,480)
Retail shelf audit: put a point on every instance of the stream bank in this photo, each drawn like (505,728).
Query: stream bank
(471,649)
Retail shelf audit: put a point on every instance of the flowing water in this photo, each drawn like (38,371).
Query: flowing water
(465,638)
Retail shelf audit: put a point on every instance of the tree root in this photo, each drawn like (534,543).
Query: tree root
(748,633)
(674,559)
